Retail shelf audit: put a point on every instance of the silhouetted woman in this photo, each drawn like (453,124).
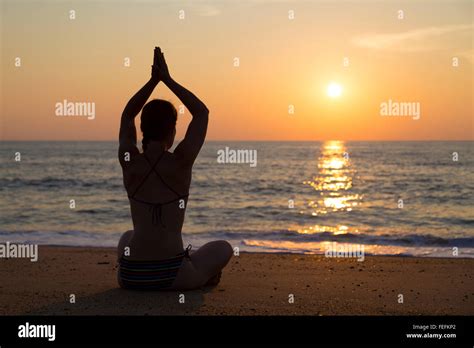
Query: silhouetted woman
(151,256)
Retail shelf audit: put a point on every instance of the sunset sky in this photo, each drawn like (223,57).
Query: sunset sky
(282,62)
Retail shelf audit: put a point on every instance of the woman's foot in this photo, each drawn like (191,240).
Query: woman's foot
(214,280)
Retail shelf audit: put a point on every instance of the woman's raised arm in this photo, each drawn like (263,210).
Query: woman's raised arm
(189,147)
(128,132)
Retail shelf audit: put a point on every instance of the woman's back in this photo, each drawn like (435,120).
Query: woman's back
(158,186)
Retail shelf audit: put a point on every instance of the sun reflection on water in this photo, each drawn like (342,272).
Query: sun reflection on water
(333,181)
(341,229)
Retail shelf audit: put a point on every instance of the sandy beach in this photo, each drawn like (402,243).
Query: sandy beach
(252,284)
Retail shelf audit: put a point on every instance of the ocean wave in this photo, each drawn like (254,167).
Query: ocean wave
(51,182)
(265,241)
(453,221)
(284,235)
(362,238)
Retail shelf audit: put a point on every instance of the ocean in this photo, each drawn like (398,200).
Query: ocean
(393,198)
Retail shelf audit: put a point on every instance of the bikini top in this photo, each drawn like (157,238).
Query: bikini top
(155,208)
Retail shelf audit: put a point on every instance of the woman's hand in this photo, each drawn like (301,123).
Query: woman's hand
(159,69)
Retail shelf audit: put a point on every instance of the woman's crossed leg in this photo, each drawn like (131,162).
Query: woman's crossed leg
(203,265)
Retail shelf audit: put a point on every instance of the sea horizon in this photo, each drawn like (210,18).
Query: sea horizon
(255,141)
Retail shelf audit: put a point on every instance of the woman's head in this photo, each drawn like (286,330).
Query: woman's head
(158,122)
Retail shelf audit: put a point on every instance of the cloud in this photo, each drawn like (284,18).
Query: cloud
(202,8)
(205,10)
(466,54)
(408,40)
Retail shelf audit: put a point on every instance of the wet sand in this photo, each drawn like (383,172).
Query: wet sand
(252,284)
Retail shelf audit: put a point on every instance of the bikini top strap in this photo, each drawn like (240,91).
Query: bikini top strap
(168,186)
(157,160)
(187,250)
(152,169)
(162,180)
(141,183)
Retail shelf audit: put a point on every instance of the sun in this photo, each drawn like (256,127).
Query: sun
(334,90)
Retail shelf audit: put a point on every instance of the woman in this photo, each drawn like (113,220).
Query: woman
(157,181)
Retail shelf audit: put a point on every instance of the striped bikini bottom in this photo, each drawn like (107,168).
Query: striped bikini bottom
(150,275)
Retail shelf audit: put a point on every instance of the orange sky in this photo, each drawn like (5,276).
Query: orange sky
(282,62)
